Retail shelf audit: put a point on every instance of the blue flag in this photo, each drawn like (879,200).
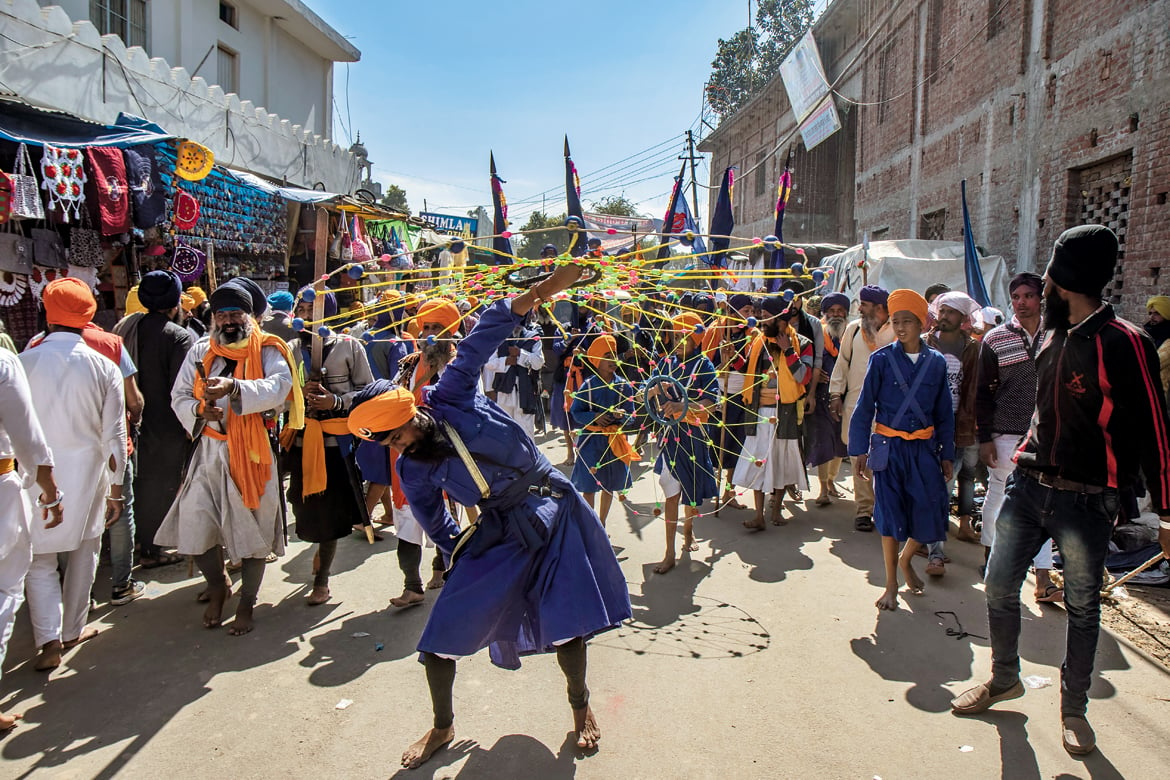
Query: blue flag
(776,260)
(684,223)
(573,208)
(500,215)
(671,211)
(976,287)
(722,221)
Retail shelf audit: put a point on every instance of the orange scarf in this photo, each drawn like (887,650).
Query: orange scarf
(752,376)
(830,347)
(249,453)
(790,391)
(619,445)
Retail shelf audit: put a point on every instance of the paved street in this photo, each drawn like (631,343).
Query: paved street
(759,656)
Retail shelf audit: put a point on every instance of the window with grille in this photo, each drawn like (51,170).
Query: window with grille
(228,76)
(932,226)
(124,18)
(761,175)
(227,14)
(885,64)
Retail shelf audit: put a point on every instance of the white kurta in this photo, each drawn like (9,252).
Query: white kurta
(849,370)
(529,358)
(79,398)
(209,509)
(21,437)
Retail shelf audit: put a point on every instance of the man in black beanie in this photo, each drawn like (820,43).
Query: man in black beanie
(1100,422)
(158,345)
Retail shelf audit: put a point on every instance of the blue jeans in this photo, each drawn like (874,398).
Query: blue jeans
(122,533)
(1081,525)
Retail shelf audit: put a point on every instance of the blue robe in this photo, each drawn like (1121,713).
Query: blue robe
(596,467)
(686,448)
(910,495)
(538,569)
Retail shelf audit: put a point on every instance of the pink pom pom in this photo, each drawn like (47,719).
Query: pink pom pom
(324,277)
(611,231)
(506,234)
(757,240)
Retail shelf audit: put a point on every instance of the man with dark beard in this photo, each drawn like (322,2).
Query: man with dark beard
(535,573)
(231,498)
(324,488)
(825,445)
(1098,387)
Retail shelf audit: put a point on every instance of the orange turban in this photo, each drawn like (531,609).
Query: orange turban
(199,296)
(684,324)
(438,310)
(389,296)
(907,300)
(187,301)
(602,348)
(392,409)
(69,303)
(414,299)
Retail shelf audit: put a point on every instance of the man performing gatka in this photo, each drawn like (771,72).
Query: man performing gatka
(536,572)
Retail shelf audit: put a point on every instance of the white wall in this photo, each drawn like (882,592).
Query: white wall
(65,69)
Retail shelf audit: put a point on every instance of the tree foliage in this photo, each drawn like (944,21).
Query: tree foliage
(531,244)
(395,198)
(615,205)
(749,59)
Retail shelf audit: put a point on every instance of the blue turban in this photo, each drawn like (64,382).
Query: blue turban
(160,290)
(834,299)
(739,300)
(281,301)
(871,293)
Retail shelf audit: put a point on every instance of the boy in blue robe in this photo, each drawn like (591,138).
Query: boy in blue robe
(684,466)
(600,406)
(906,391)
(535,573)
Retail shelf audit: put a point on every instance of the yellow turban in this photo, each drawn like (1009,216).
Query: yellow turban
(438,310)
(386,412)
(390,296)
(1160,304)
(907,300)
(133,305)
(413,300)
(684,324)
(198,294)
(602,348)
(187,301)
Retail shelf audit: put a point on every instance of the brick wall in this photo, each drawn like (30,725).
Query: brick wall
(1025,99)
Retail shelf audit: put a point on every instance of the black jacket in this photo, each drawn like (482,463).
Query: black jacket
(1100,411)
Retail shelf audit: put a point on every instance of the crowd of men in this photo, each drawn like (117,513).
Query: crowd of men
(202,423)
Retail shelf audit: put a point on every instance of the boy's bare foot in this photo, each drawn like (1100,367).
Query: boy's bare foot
(319,596)
(889,600)
(913,581)
(436,581)
(8,722)
(666,565)
(418,753)
(213,615)
(50,657)
(588,732)
(689,544)
(408,599)
(87,633)
(729,501)
(243,622)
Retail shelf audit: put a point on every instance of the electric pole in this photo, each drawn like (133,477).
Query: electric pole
(691,157)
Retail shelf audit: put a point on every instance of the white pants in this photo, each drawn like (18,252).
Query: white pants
(1005,448)
(60,610)
(13,568)
(510,403)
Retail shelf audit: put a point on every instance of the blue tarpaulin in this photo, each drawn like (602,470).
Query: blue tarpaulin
(22,123)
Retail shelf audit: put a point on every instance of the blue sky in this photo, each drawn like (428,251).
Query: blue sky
(440,83)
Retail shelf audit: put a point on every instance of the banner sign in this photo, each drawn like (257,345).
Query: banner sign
(448,223)
(804,77)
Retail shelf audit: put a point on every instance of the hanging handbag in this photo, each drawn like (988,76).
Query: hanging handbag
(85,248)
(26,195)
(5,197)
(49,249)
(359,247)
(16,253)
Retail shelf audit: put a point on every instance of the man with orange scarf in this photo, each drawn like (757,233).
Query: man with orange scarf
(600,406)
(230,500)
(684,468)
(324,488)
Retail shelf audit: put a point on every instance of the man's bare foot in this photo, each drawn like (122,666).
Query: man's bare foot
(418,753)
(889,600)
(436,581)
(8,722)
(913,581)
(87,633)
(243,622)
(50,656)
(319,596)
(588,732)
(689,544)
(666,565)
(729,501)
(408,599)
(755,524)
(213,615)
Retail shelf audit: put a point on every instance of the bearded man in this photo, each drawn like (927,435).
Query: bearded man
(826,448)
(535,573)
(226,389)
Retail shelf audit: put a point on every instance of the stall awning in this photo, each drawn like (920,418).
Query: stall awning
(22,123)
(288,193)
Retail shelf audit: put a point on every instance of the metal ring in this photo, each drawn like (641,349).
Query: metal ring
(654,405)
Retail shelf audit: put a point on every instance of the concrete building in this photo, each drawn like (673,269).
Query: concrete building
(251,79)
(1055,113)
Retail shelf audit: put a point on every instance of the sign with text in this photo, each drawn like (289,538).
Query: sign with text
(804,77)
(821,124)
(449,223)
